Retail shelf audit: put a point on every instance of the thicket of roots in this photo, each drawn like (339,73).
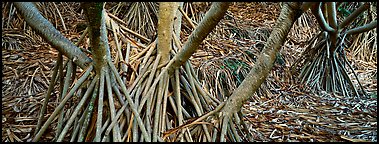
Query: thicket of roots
(327,68)
(140,17)
(136,100)
(169,109)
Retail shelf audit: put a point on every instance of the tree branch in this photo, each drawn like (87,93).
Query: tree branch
(364,28)
(207,24)
(332,16)
(354,15)
(178,20)
(46,30)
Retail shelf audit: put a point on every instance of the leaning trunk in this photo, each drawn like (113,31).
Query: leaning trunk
(265,62)
(41,25)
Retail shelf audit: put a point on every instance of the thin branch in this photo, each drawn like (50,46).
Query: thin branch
(161,87)
(99,121)
(60,16)
(49,90)
(66,85)
(187,18)
(88,114)
(77,128)
(364,28)
(224,128)
(178,20)
(128,30)
(130,101)
(149,88)
(354,15)
(115,130)
(178,100)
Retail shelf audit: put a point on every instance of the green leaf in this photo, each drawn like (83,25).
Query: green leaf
(344,11)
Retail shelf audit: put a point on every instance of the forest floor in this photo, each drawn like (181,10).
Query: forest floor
(285,110)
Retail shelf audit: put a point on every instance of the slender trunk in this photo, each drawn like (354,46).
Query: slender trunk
(101,54)
(97,34)
(265,62)
(42,26)
(321,19)
(178,20)
(165,28)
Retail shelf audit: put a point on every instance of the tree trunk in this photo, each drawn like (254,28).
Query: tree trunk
(265,62)
(178,20)
(165,28)
(41,25)
(97,34)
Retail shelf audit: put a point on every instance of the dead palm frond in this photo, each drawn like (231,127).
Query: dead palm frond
(364,45)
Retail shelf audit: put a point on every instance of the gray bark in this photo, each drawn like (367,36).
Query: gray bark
(265,62)
(364,28)
(178,20)
(97,34)
(42,26)
(321,20)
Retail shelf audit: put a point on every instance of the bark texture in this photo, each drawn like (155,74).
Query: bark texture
(265,62)
(165,28)
(42,26)
(97,34)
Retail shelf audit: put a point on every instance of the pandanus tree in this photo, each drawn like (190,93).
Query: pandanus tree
(325,63)
(165,102)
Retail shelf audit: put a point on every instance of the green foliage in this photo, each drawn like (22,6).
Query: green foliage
(233,66)
(373,95)
(344,11)
(279,59)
